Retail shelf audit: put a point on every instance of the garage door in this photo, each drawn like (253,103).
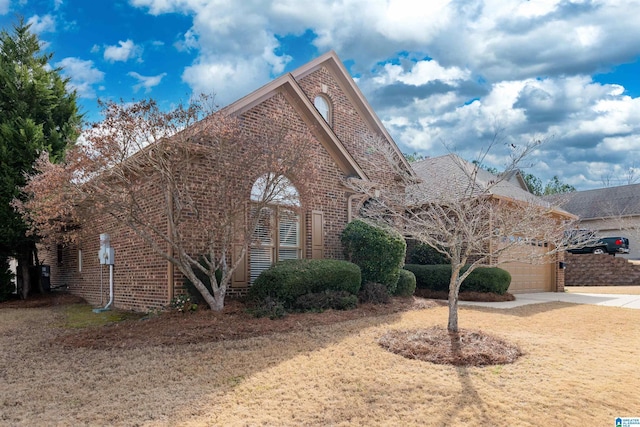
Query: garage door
(531,277)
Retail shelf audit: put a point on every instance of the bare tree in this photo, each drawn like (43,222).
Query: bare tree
(183,185)
(466,218)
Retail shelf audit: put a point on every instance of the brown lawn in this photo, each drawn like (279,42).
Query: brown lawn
(580,367)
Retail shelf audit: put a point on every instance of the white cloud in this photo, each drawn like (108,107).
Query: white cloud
(42,24)
(83,75)
(4,6)
(146,82)
(422,72)
(525,66)
(122,52)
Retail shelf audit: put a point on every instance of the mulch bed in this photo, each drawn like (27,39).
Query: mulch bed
(437,345)
(50,299)
(170,328)
(233,323)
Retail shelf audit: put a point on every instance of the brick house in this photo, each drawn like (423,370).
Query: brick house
(319,98)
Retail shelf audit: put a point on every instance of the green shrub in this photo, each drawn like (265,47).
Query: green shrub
(424,254)
(434,277)
(487,279)
(482,279)
(320,301)
(375,293)
(406,284)
(378,252)
(269,307)
(288,280)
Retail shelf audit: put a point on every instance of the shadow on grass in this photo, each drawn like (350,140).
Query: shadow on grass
(524,310)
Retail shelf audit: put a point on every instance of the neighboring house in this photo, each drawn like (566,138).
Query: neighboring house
(319,97)
(611,212)
(454,176)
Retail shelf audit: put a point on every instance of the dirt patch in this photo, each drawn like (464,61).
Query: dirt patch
(437,345)
(233,323)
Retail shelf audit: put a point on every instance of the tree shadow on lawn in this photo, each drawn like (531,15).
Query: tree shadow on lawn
(523,310)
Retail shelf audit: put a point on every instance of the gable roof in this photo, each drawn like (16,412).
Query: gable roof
(602,202)
(515,177)
(287,84)
(450,176)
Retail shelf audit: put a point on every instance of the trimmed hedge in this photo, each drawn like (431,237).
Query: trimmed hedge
(424,254)
(378,252)
(482,279)
(290,279)
(406,284)
(320,301)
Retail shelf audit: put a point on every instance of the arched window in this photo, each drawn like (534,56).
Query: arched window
(324,107)
(277,232)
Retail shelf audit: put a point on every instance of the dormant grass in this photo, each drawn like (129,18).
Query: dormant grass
(580,367)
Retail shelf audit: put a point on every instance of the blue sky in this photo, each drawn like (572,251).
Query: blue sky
(439,73)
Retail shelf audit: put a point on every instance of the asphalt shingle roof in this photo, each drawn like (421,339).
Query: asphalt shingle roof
(449,176)
(603,202)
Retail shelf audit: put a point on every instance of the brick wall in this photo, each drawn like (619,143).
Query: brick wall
(600,270)
(140,276)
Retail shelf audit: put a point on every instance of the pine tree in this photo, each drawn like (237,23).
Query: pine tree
(38,113)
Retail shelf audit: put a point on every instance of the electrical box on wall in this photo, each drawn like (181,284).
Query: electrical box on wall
(107,256)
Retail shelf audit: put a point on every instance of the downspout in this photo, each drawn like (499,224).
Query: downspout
(170,253)
(108,306)
(106,256)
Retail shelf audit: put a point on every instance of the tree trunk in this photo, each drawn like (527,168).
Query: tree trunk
(23,265)
(454,288)
(452,325)
(36,262)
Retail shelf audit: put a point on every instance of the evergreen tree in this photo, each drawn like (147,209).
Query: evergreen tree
(37,113)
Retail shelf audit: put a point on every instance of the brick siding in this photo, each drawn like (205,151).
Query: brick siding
(140,276)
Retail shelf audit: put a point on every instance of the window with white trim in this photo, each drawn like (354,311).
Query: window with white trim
(323,106)
(277,235)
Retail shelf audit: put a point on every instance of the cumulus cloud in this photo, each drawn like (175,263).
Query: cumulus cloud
(123,51)
(146,82)
(42,24)
(83,75)
(443,71)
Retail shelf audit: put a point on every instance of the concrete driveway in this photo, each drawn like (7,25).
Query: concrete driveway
(611,300)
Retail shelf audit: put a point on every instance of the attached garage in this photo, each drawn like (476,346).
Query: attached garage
(531,277)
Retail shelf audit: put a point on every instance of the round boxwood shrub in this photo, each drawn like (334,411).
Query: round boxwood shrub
(434,277)
(487,279)
(378,252)
(482,279)
(421,253)
(406,284)
(290,279)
